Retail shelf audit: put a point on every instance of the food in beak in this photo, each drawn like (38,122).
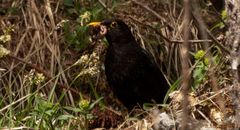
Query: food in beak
(97,30)
(103,30)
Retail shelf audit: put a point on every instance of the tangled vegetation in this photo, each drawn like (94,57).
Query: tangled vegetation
(52,74)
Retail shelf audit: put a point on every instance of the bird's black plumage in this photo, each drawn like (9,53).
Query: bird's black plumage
(131,72)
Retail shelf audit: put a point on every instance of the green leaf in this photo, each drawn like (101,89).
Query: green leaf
(171,89)
(49,112)
(65,117)
(224,14)
(147,106)
(94,103)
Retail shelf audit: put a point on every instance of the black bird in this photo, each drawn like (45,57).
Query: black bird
(131,71)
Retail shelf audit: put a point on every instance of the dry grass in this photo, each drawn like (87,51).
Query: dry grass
(38,46)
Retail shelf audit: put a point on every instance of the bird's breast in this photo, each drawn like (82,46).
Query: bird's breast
(118,65)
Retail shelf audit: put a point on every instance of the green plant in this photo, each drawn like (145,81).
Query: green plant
(220,24)
(199,72)
(75,32)
(202,66)
(84,111)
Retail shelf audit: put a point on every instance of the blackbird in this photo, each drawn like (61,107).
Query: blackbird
(131,71)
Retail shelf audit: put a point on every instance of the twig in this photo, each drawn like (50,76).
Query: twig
(202,28)
(165,38)
(45,73)
(154,29)
(105,6)
(218,43)
(153,12)
(213,96)
(114,111)
(191,41)
(13,103)
(205,117)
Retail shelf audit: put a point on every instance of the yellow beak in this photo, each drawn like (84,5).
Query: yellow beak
(94,24)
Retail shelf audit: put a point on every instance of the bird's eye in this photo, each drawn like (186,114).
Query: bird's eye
(113,24)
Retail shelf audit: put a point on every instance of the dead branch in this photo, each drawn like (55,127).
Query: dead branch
(185,66)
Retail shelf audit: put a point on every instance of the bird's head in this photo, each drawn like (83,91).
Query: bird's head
(114,30)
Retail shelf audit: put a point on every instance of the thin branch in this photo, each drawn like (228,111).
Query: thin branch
(105,6)
(190,41)
(185,66)
(165,38)
(218,43)
(44,72)
(202,28)
(153,12)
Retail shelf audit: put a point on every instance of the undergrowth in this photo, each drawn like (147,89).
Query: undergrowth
(51,73)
